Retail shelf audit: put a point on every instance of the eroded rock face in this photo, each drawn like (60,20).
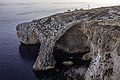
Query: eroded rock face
(99,28)
(73,41)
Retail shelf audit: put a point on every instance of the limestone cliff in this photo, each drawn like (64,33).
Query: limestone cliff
(98,29)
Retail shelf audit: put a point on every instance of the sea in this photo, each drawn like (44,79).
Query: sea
(16,60)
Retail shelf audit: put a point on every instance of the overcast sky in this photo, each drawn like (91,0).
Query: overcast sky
(114,2)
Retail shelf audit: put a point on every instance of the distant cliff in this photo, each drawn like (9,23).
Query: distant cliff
(73,31)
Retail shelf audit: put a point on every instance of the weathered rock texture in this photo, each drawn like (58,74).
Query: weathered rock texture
(98,29)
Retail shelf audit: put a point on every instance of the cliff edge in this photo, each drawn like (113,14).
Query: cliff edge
(98,29)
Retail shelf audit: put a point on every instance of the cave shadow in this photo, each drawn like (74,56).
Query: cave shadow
(29,52)
(57,73)
(60,56)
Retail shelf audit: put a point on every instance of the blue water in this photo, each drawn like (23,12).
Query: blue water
(16,60)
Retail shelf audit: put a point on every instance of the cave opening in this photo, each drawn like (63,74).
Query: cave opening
(71,47)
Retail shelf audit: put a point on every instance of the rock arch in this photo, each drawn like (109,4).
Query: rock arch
(46,49)
(102,36)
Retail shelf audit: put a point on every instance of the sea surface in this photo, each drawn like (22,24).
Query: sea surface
(16,60)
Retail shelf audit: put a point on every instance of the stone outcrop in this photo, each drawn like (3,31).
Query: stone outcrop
(98,29)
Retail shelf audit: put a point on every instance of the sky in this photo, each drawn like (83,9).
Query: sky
(114,2)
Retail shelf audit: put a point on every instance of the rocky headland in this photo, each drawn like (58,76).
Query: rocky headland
(93,34)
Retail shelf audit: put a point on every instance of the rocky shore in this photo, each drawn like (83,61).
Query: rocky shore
(95,32)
